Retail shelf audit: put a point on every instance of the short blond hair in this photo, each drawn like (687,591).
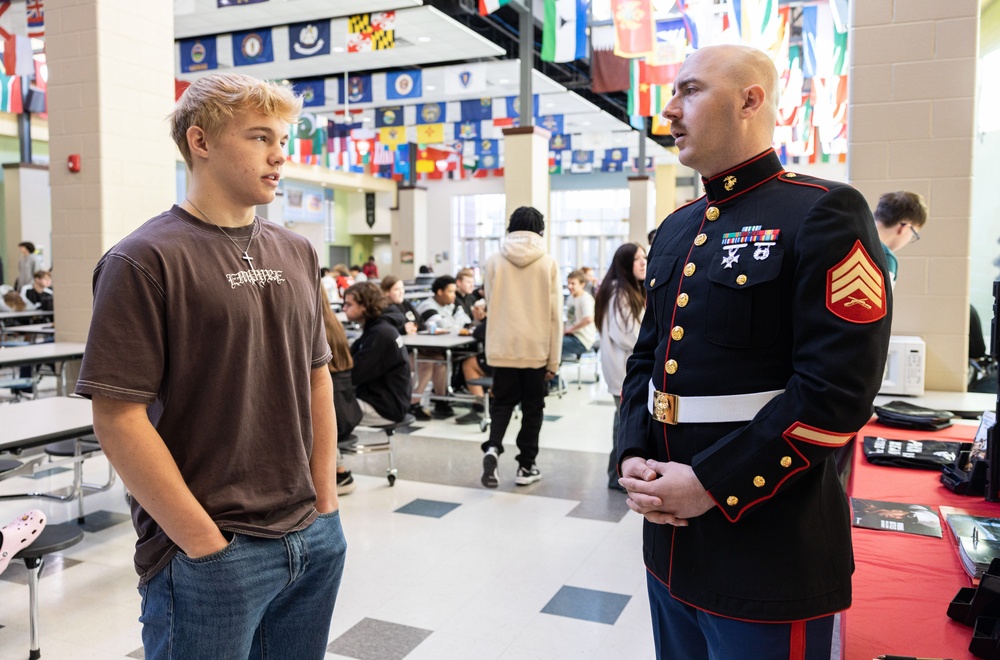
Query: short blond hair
(213,100)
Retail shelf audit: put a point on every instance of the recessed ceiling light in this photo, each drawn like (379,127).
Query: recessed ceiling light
(550,105)
(338,49)
(430,88)
(504,81)
(361,189)
(584,123)
(423,39)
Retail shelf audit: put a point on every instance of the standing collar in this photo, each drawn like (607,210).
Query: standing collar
(742,178)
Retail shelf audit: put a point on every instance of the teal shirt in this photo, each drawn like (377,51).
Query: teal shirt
(892,262)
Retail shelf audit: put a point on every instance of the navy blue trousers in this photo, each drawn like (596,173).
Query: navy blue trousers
(683,632)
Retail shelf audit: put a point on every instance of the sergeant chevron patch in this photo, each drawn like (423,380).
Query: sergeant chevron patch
(813,435)
(855,289)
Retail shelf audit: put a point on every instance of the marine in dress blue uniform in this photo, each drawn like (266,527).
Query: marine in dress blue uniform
(761,350)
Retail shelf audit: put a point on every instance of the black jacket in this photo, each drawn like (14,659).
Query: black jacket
(381,373)
(803,307)
(402,313)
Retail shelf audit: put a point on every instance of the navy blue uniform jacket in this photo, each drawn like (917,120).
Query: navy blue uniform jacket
(803,307)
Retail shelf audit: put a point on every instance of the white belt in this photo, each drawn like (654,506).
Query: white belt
(673,409)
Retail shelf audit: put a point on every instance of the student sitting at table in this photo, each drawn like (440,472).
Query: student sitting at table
(399,308)
(345,402)
(442,314)
(38,295)
(381,373)
(580,333)
(465,290)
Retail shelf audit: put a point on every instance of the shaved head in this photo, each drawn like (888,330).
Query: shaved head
(744,66)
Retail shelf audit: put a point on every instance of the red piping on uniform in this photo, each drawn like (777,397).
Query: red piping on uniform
(777,486)
(743,192)
(803,183)
(797,641)
(743,164)
(736,618)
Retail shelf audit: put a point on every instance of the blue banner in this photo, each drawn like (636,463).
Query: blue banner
(389,116)
(616,155)
(551,123)
(430,113)
(403,85)
(308,39)
(252,47)
(467,130)
(312,91)
(560,142)
(198,54)
(359,89)
(611,166)
(514,102)
(477,109)
(581,156)
(401,160)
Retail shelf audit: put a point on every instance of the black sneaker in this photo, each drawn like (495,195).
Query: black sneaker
(442,410)
(491,475)
(420,413)
(469,418)
(527,475)
(345,483)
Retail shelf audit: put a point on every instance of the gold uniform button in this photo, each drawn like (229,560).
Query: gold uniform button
(790,175)
(712,214)
(652,282)
(758,481)
(682,300)
(670,367)
(741,280)
(689,269)
(677,333)
(786,461)
(700,239)
(732,500)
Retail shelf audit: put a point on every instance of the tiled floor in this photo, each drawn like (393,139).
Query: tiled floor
(438,567)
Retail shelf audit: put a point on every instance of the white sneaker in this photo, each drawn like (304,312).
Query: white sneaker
(491,473)
(526,476)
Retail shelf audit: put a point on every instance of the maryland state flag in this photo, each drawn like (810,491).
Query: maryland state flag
(635,34)
(367,32)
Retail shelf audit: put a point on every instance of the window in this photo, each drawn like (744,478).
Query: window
(478,223)
(589,226)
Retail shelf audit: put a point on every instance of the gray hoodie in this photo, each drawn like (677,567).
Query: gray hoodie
(524,302)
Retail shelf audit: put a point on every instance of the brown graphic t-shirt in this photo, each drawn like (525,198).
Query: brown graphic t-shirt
(222,353)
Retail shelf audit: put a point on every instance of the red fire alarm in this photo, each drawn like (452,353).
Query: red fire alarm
(73,162)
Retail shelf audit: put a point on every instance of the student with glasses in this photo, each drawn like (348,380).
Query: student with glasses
(899,218)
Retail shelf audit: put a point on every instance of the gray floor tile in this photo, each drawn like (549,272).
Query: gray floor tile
(587,604)
(41,474)
(17,573)
(97,521)
(572,475)
(552,418)
(429,508)
(602,402)
(372,639)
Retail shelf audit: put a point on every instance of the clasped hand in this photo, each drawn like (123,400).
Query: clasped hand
(664,493)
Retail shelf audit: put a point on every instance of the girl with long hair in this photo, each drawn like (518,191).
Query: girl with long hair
(620,304)
(344,402)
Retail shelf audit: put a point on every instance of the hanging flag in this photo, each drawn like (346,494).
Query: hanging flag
(616,155)
(583,162)
(551,123)
(18,57)
(430,133)
(467,130)
(392,136)
(477,109)
(644,98)
(759,23)
(359,89)
(401,161)
(308,39)
(430,113)
(611,165)
(252,47)
(809,39)
(609,73)
(513,105)
(564,31)
(660,125)
(672,42)
(487,7)
(465,78)
(634,29)
(198,54)
(560,142)
(488,152)
(555,163)
(389,116)
(312,91)
(36,18)
(368,32)
(308,140)
(179,87)
(403,85)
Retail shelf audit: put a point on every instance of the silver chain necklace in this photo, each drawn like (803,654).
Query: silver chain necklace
(246,256)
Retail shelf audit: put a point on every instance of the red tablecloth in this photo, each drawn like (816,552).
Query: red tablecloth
(904,582)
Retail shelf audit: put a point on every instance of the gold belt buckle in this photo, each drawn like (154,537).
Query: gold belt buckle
(665,407)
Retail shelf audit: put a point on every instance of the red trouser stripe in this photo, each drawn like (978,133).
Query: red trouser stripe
(797,641)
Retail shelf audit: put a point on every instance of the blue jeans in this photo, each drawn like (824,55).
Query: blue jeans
(573,347)
(256,598)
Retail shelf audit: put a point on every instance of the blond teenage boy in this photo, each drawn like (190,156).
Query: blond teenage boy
(206,362)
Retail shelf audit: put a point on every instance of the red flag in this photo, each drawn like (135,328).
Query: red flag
(608,72)
(635,34)
(179,87)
